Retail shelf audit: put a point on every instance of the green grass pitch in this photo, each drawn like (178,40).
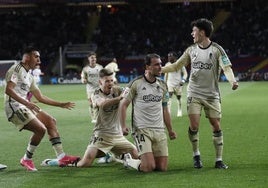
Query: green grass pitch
(244,124)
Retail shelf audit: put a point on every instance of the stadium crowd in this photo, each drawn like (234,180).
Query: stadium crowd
(45,27)
(138,30)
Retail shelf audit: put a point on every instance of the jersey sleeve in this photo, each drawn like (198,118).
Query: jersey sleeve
(33,85)
(224,60)
(182,61)
(83,75)
(165,94)
(130,91)
(96,98)
(13,78)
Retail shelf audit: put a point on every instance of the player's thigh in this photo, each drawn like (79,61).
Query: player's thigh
(122,145)
(194,106)
(159,144)
(170,89)
(143,141)
(178,90)
(36,126)
(194,121)
(21,117)
(103,143)
(46,119)
(212,108)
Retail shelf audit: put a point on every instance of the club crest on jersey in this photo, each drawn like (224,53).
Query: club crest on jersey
(193,55)
(24,87)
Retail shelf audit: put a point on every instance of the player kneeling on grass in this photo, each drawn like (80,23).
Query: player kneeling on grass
(149,97)
(26,115)
(107,134)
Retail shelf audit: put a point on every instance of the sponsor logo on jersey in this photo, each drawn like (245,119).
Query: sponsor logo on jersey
(93,75)
(201,65)
(152,98)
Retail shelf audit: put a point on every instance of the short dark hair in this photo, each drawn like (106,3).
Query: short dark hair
(148,57)
(203,24)
(91,53)
(172,53)
(105,72)
(29,49)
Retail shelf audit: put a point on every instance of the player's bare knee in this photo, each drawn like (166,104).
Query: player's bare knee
(53,121)
(162,169)
(147,167)
(41,131)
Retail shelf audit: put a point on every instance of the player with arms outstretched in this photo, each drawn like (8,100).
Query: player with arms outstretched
(26,115)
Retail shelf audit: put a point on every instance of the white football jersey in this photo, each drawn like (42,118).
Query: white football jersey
(206,66)
(24,83)
(107,119)
(91,75)
(147,100)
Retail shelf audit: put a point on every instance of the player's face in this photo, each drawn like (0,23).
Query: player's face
(155,68)
(197,35)
(92,60)
(106,84)
(171,58)
(33,59)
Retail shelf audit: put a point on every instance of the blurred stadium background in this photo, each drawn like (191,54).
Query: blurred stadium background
(66,30)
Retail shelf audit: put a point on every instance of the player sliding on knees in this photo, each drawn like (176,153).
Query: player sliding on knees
(107,134)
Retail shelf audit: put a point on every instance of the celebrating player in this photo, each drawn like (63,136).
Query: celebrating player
(90,77)
(26,115)
(149,97)
(113,66)
(107,134)
(207,58)
(175,82)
